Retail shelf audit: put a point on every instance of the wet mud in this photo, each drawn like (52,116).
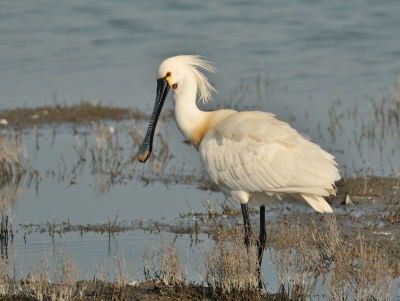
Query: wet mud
(80,113)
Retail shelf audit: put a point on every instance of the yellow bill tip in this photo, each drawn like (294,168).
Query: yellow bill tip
(143,157)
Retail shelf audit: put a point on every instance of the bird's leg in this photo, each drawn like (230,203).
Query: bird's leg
(261,244)
(247,226)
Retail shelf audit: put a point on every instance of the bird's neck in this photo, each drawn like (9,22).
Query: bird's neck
(191,121)
(188,116)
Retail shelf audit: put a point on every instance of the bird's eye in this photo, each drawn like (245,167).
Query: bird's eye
(175,86)
(168,74)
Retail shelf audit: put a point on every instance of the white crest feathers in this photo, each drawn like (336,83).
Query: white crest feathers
(194,62)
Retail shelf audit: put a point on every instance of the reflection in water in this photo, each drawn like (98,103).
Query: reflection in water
(111,162)
(107,151)
(376,128)
(15,169)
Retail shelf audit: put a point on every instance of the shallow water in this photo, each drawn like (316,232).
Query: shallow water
(75,192)
(320,63)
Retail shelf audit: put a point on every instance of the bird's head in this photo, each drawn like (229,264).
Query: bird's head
(178,69)
(175,72)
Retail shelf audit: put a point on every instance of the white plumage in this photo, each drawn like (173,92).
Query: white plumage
(251,156)
(267,161)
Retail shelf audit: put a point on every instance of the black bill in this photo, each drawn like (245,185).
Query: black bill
(147,145)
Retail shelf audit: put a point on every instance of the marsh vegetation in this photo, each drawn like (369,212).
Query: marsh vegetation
(313,256)
(353,255)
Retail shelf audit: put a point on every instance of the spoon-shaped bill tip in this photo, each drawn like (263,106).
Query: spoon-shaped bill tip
(142,157)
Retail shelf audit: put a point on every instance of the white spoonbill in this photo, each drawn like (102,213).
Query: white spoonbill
(252,157)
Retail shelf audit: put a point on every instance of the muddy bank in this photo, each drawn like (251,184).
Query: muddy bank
(80,113)
(151,291)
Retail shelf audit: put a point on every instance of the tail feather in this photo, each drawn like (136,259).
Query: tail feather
(317,202)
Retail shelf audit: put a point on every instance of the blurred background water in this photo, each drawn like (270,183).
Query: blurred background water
(110,51)
(328,59)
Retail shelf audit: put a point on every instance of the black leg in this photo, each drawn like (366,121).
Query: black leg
(247,226)
(261,243)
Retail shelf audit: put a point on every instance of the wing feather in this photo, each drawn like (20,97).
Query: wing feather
(254,152)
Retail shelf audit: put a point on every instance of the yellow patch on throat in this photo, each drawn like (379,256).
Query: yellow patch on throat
(210,120)
(198,133)
(168,78)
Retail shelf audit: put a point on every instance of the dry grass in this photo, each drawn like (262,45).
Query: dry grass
(14,159)
(352,267)
(311,259)
(56,277)
(227,268)
(15,166)
(164,264)
(298,266)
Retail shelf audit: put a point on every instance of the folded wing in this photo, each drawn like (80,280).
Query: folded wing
(254,152)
